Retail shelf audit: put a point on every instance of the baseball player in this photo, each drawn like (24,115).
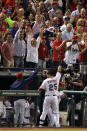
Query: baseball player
(50,113)
(27,114)
(2,110)
(19,101)
(50,85)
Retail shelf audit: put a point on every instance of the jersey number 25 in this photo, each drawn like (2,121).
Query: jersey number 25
(52,87)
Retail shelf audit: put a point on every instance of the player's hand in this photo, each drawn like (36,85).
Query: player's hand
(38,68)
(59,68)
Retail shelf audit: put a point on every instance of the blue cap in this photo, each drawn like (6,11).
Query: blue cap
(8,11)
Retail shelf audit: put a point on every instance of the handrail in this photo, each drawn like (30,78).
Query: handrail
(75,92)
(19,93)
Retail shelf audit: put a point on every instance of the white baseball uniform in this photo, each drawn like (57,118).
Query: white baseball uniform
(50,85)
(50,113)
(72,54)
(27,114)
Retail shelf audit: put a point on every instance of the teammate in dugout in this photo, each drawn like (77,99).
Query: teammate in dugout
(19,101)
(50,85)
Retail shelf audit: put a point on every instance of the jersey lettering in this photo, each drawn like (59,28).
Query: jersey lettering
(52,87)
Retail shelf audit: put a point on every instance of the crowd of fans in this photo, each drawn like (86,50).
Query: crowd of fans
(40,32)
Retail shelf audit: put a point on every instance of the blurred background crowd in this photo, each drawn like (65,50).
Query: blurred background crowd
(40,32)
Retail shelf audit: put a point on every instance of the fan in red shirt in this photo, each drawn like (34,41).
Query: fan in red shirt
(58,50)
(80,22)
(43,53)
(83,57)
(7,51)
(83,53)
(73,4)
(5,3)
(83,14)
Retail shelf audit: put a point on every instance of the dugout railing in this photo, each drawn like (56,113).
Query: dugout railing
(36,94)
(71,100)
(31,93)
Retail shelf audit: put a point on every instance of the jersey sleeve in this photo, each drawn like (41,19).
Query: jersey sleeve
(43,85)
(58,75)
(38,42)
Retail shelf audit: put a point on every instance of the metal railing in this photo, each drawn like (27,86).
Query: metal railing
(72,104)
(31,93)
(37,94)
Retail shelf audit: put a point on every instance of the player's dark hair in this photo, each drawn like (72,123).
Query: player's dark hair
(52,71)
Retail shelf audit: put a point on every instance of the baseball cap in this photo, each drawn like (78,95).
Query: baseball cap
(74,37)
(66,18)
(50,29)
(27,24)
(19,75)
(4,11)
(54,3)
(43,37)
(8,11)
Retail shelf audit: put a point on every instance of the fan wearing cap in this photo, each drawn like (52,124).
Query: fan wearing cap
(52,12)
(77,11)
(14,28)
(66,20)
(72,51)
(19,101)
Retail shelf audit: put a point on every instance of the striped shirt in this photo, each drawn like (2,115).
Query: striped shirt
(19,46)
(75,12)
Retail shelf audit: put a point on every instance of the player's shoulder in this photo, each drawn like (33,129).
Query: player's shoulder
(47,79)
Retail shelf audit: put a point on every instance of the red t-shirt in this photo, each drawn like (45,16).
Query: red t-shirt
(43,51)
(3,27)
(83,57)
(10,2)
(82,17)
(57,55)
(73,5)
(8,50)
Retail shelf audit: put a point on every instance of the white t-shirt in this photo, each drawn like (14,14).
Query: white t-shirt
(32,52)
(72,54)
(67,35)
(63,27)
(50,85)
